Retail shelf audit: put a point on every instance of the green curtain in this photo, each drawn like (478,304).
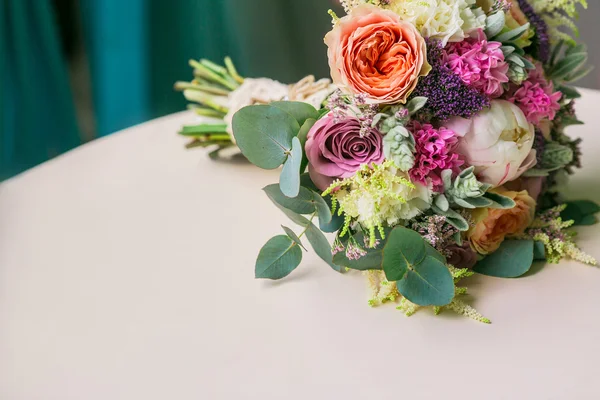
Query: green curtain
(281,39)
(137,50)
(37,116)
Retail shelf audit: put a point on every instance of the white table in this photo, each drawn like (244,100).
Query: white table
(126,272)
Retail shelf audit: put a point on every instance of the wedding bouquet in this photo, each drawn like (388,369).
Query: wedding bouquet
(439,152)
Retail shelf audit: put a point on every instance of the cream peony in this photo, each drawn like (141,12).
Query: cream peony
(497,142)
(445,20)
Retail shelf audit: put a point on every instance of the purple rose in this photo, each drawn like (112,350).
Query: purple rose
(335,149)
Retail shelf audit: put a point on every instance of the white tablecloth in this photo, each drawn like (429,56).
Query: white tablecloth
(126,272)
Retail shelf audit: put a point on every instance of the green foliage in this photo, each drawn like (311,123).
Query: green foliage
(321,246)
(511,260)
(428,283)
(555,156)
(567,63)
(292,235)
(494,23)
(304,203)
(539,251)
(423,279)
(299,110)
(278,258)
(370,261)
(302,136)
(264,134)
(581,212)
(307,202)
(289,180)
(399,146)
(513,54)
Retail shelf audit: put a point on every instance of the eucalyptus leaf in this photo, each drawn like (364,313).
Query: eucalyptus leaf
(289,180)
(321,246)
(336,222)
(323,209)
(403,250)
(264,134)
(303,136)
(304,203)
(292,235)
(581,212)
(277,258)
(372,260)
(511,260)
(428,283)
(299,110)
(539,251)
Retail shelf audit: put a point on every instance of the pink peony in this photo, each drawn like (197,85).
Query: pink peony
(536,97)
(435,153)
(335,149)
(479,63)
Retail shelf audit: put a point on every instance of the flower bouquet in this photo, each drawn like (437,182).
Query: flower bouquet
(441,153)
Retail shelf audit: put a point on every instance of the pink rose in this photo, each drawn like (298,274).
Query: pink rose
(335,149)
(372,52)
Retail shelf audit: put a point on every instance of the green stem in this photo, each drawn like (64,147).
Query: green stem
(307,225)
(204,72)
(202,88)
(233,71)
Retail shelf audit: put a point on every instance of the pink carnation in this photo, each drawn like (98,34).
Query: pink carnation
(434,153)
(479,63)
(536,97)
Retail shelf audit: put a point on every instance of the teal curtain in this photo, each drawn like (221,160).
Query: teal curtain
(136,49)
(281,39)
(37,116)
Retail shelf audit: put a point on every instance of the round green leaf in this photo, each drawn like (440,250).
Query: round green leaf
(278,258)
(512,259)
(289,180)
(299,110)
(428,283)
(404,249)
(264,134)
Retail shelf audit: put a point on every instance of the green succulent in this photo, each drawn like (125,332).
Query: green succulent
(399,146)
(467,192)
(555,156)
(513,41)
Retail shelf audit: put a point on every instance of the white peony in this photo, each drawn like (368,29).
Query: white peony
(445,20)
(497,142)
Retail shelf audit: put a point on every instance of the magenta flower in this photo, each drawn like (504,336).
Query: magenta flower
(435,152)
(479,63)
(336,149)
(536,97)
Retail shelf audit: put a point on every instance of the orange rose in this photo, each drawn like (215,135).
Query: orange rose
(494,225)
(372,51)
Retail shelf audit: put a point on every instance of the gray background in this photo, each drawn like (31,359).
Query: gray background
(589,24)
